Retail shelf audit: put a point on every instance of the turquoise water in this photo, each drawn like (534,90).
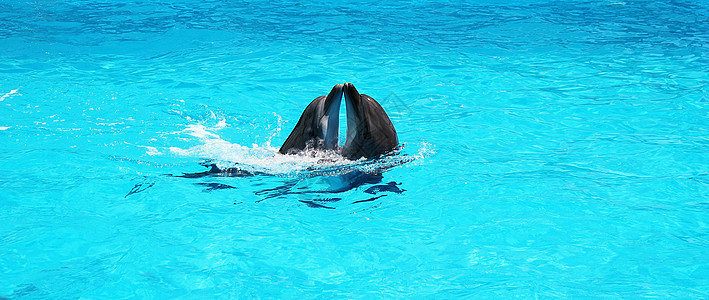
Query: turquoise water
(551,149)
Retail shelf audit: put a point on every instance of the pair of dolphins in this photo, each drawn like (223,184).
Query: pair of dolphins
(370,133)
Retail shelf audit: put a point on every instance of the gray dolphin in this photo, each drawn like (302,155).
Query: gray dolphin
(318,126)
(370,133)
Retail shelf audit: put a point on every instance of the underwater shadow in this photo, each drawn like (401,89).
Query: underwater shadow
(325,185)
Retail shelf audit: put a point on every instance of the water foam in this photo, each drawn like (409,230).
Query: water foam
(266,159)
(2,98)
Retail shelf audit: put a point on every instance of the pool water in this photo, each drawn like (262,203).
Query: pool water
(550,149)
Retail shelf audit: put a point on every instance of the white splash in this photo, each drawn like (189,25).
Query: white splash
(266,158)
(152,151)
(260,158)
(4,128)
(2,98)
(200,132)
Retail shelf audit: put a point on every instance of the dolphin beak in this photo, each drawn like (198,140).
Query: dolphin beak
(353,101)
(333,98)
(352,104)
(330,122)
(352,97)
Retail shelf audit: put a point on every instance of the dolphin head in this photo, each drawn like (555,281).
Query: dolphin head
(318,126)
(370,133)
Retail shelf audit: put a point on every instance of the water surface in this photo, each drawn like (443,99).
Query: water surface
(551,149)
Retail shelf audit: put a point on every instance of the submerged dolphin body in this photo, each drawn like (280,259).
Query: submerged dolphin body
(318,126)
(370,133)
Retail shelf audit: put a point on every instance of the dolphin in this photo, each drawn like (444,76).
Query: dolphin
(370,133)
(318,126)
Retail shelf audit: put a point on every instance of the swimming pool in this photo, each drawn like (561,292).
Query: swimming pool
(551,149)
